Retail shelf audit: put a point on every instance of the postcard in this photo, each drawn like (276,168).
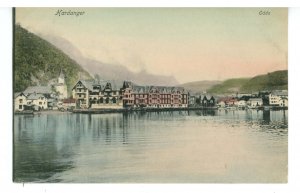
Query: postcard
(150,95)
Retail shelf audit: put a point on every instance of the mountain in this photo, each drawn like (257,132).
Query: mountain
(200,86)
(36,62)
(229,86)
(277,80)
(109,71)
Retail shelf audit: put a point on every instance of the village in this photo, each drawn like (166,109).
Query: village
(97,95)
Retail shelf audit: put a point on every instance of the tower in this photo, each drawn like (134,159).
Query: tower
(61,77)
(61,87)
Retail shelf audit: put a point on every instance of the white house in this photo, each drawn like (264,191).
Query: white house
(274,100)
(20,101)
(38,101)
(80,92)
(255,102)
(283,102)
(222,104)
(242,103)
(44,90)
(278,98)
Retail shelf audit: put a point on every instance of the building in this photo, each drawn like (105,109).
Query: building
(108,98)
(127,94)
(37,101)
(36,98)
(20,101)
(228,101)
(192,101)
(255,102)
(278,98)
(61,87)
(81,93)
(283,102)
(153,96)
(97,94)
(66,104)
(242,103)
(221,104)
(47,91)
(140,96)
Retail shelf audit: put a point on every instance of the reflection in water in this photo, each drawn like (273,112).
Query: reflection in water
(37,152)
(175,146)
(266,117)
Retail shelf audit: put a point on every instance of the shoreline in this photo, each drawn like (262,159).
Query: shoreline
(124,110)
(103,111)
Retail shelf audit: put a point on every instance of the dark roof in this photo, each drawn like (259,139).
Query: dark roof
(38,90)
(90,84)
(280,92)
(34,96)
(16,94)
(160,89)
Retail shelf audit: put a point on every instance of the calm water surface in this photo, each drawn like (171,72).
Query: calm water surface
(166,147)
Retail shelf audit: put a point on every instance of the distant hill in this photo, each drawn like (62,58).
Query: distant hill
(277,80)
(229,86)
(200,86)
(108,71)
(36,62)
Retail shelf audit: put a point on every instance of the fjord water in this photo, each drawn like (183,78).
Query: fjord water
(157,147)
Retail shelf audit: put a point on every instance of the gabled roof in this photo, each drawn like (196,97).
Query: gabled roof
(38,90)
(35,96)
(280,92)
(140,89)
(16,94)
(128,84)
(90,84)
(115,85)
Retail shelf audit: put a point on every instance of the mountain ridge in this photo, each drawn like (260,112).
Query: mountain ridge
(108,71)
(36,62)
(277,80)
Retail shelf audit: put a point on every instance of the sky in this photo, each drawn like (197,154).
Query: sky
(191,44)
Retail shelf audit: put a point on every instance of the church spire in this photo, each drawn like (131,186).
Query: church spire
(61,77)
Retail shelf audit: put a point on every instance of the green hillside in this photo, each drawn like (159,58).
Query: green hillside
(36,61)
(229,86)
(199,86)
(277,80)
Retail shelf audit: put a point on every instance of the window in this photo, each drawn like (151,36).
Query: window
(20,100)
(40,103)
(114,100)
(20,106)
(107,100)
